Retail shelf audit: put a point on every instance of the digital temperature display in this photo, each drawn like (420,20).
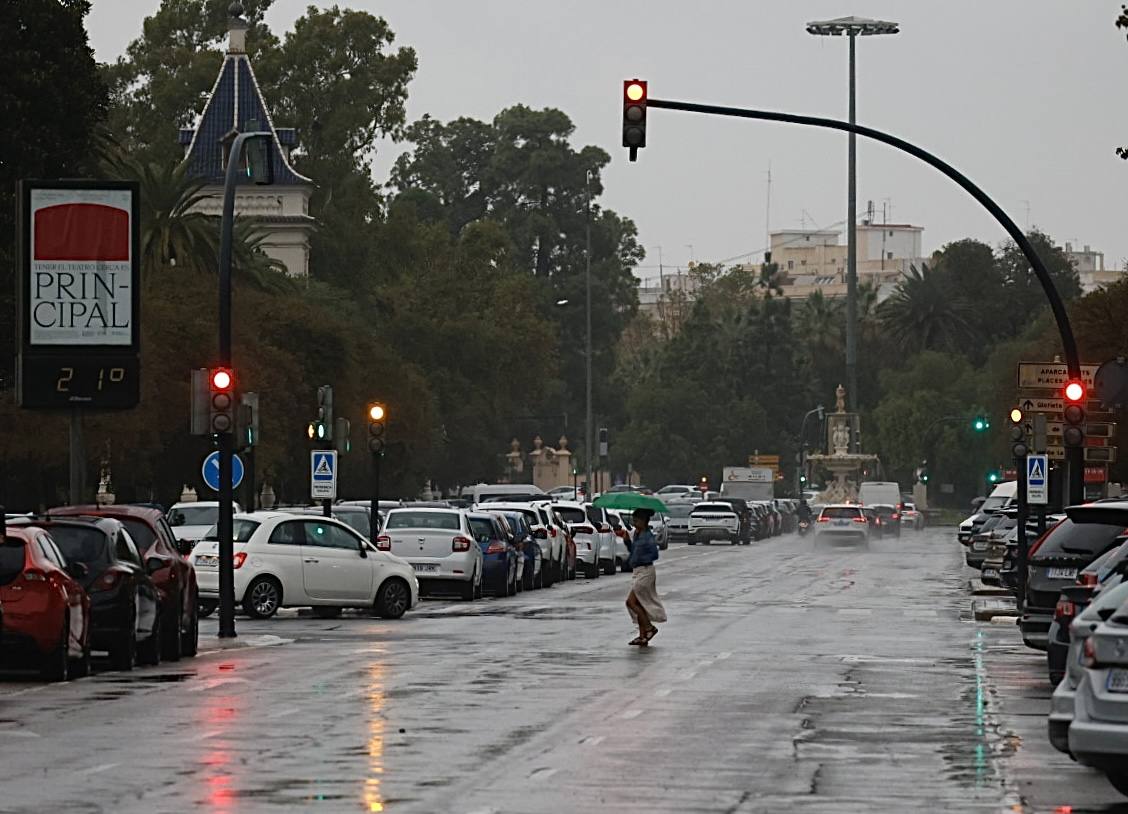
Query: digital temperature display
(105,382)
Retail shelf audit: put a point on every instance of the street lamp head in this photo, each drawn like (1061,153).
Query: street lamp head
(562,302)
(852,26)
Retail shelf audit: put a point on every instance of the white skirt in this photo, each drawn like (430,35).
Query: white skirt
(645,588)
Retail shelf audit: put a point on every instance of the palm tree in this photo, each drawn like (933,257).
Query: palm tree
(921,315)
(820,322)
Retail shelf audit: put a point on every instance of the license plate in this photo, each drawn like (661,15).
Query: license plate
(207,561)
(1118,680)
(425,568)
(1061,573)
(981,546)
(841,522)
(990,572)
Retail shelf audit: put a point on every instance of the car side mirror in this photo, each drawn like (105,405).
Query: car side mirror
(154,564)
(362,550)
(77,569)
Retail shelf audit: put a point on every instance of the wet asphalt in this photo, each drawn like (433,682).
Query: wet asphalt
(787,679)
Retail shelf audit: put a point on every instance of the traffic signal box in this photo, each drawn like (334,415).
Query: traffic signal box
(377,424)
(1073,415)
(221,384)
(634,116)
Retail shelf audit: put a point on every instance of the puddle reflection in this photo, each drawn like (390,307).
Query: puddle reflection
(373,793)
(218,721)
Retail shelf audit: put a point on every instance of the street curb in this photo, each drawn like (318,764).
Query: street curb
(238,643)
(986,610)
(979,588)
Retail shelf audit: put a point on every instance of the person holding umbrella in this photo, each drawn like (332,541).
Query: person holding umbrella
(643,603)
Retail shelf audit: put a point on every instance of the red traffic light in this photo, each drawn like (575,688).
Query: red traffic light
(1074,391)
(221,379)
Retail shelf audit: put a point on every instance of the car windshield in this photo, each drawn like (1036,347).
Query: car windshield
(241,531)
(11,559)
(1088,539)
(841,512)
(571,514)
(84,544)
(993,504)
(196,515)
(424,520)
(677,510)
(142,534)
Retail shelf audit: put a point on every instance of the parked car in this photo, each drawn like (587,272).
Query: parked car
(1003,496)
(621,528)
(911,516)
(994,528)
(124,602)
(1102,608)
(173,575)
(191,521)
(47,615)
(439,545)
(558,527)
(552,545)
(1058,557)
(1098,733)
(499,555)
(534,573)
(661,530)
(747,519)
(1104,573)
(677,520)
(585,535)
(890,518)
(847,522)
(284,561)
(714,521)
(597,517)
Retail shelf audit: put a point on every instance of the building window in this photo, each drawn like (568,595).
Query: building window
(889,255)
(891,233)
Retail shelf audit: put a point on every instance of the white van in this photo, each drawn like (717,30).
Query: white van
(500,491)
(878,491)
(1002,496)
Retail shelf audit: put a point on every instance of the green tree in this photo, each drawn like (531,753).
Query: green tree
(1024,294)
(922,315)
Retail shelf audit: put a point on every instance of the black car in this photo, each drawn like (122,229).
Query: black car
(124,602)
(890,518)
(1086,533)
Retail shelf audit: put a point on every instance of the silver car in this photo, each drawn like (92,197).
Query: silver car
(843,523)
(1098,734)
(440,546)
(584,534)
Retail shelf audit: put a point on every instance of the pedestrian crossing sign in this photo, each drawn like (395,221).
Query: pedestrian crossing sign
(1037,479)
(323,474)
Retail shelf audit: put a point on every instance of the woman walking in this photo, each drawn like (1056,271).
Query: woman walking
(643,603)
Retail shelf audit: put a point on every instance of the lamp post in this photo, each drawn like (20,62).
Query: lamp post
(587,342)
(802,456)
(852,27)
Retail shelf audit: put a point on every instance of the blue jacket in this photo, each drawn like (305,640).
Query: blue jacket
(644,550)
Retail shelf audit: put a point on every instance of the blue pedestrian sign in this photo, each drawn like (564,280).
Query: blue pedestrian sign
(1037,479)
(210,471)
(323,474)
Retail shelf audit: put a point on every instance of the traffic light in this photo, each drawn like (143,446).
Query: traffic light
(221,413)
(1015,415)
(343,433)
(604,449)
(980,423)
(377,416)
(248,421)
(1073,413)
(634,116)
(321,428)
(993,476)
(703,484)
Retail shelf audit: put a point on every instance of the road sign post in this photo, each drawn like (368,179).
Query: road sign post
(210,471)
(1020,466)
(1037,480)
(323,474)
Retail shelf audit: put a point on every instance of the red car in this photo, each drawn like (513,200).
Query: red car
(46,612)
(174,576)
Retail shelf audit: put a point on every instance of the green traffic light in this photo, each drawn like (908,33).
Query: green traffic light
(980,424)
(993,477)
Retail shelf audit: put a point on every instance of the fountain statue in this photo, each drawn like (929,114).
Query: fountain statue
(844,460)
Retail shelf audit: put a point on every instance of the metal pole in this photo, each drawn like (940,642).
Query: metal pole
(587,345)
(249,476)
(1075,463)
(852,253)
(374,510)
(1023,547)
(327,507)
(77,458)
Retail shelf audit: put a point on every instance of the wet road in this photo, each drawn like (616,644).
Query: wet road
(788,679)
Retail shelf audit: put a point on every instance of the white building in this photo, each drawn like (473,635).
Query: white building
(236,105)
(1091,268)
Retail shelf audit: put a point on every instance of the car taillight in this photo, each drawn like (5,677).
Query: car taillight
(552,531)
(31,575)
(383,543)
(896,516)
(824,520)
(860,520)
(460,543)
(1089,654)
(495,547)
(604,528)
(108,580)
(1088,579)
(240,558)
(1065,609)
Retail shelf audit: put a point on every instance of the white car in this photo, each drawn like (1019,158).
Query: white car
(440,546)
(285,560)
(621,528)
(597,516)
(842,522)
(1098,734)
(585,535)
(552,545)
(714,521)
(191,521)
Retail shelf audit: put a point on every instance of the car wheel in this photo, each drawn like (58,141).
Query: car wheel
(469,590)
(548,573)
(190,643)
(149,652)
(529,577)
(692,542)
(393,598)
(609,567)
(123,654)
(326,612)
(511,586)
(56,664)
(207,608)
(263,598)
(172,646)
(1119,780)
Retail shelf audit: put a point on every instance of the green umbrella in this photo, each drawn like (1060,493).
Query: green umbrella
(630,501)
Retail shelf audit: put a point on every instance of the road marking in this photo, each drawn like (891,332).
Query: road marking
(662,693)
(855,611)
(632,713)
(595,741)
(920,614)
(542,774)
(96,769)
(203,736)
(692,674)
(19,733)
(724,655)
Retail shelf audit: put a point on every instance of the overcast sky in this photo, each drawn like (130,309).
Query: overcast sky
(1024,96)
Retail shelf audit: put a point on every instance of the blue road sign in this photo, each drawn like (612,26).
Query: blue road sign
(323,474)
(210,471)
(1037,477)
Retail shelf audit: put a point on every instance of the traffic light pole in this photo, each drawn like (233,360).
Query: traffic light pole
(1023,513)
(1057,306)
(374,520)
